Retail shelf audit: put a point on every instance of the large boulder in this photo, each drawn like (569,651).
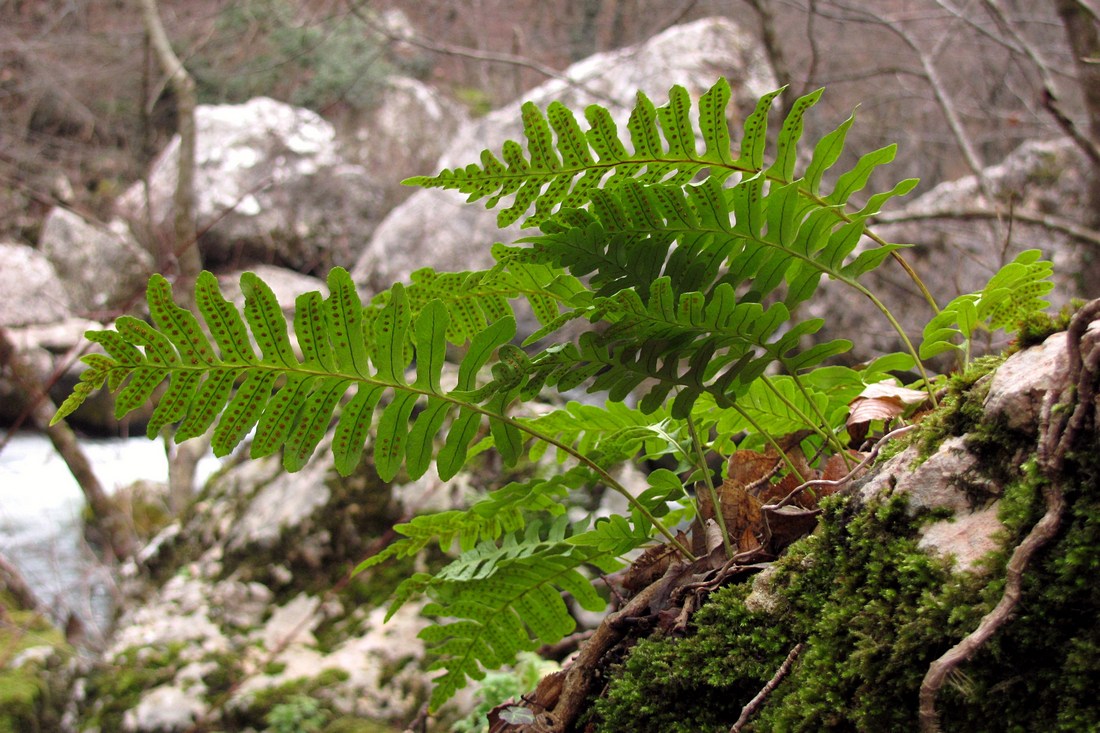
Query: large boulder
(33,292)
(401,136)
(270,186)
(103,267)
(437,229)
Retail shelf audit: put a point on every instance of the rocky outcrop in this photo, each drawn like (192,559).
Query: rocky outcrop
(271,187)
(905,563)
(437,229)
(103,267)
(254,609)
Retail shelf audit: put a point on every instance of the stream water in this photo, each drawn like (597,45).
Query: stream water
(40,504)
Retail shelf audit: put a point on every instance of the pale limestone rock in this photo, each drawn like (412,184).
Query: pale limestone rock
(966,538)
(103,267)
(33,292)
(163,710)
(403,135)
(271,186)
(946,479)
(1023,381)
(286,284)
(292,624)
(286,501)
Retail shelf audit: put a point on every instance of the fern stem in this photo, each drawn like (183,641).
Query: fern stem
(768,437)
(815,425)
(905,339)
(719,517)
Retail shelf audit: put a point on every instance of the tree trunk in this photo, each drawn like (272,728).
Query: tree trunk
(107,518)
(184,249)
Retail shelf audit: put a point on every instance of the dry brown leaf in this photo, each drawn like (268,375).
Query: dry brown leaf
(649,566)
(882,401)
(788,524)
(748,467)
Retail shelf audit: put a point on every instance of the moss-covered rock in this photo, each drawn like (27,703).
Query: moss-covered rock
(33,675)
(873,602)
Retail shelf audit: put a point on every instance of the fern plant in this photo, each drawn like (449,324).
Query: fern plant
(686,268)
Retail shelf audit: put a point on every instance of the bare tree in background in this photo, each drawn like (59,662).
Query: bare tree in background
(184,246)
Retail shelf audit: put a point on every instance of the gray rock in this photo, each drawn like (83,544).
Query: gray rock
(270,187)
(292,624)
(163,710)
(437,229)
(286,502)
(403,135)
(966,539)
(286,284)
(33,292)
(103,267)
(950,479)
(1020,385)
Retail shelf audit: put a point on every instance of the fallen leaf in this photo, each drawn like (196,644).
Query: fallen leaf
(881,401)
(787,524)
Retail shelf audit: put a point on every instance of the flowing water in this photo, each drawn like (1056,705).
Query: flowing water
(40,505)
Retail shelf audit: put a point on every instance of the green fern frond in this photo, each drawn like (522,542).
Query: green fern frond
(563,165)
(290,400)
(498,513)
(1015,292)
(499,600)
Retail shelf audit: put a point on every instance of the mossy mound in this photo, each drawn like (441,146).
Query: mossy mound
(33,653)
(872,607)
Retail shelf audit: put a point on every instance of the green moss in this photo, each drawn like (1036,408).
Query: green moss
(1038,326)
(114,689)
(874,611)
(961,408)
(29,700)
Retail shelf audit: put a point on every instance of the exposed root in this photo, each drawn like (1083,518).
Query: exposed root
(758,701)
(1063,417)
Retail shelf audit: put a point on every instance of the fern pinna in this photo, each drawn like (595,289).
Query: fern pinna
(689,267)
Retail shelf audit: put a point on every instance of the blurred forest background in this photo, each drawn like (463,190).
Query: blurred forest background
(958,84)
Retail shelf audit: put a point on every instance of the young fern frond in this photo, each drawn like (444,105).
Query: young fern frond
(1015,292)
(498,600)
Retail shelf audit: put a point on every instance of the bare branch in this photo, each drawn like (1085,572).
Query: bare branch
(474,54)
(1054,223)
(780,674)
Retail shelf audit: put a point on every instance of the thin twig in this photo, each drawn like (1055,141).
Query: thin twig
(1054,223)
(844,479)
(757,702)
